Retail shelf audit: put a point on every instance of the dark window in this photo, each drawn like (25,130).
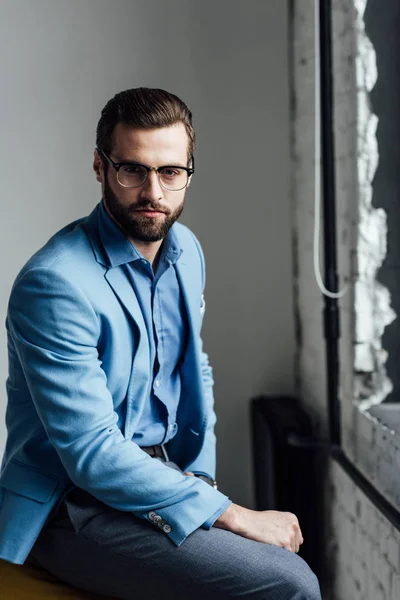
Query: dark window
(382,20)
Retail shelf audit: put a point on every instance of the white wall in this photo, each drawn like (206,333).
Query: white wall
(61,62)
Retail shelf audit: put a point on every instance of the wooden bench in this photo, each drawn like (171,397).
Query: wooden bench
(28,582)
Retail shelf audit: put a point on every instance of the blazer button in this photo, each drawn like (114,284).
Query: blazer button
(153,516)
(167,528)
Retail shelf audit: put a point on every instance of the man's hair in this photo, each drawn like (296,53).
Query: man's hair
(144,108)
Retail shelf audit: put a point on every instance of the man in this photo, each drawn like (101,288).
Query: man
(111,445)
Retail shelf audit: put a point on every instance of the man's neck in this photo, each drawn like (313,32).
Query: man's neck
(149,250)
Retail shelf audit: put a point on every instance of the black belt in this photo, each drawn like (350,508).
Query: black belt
(156,451)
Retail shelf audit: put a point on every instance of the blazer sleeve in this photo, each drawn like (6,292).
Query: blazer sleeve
(205,463)
(55,332)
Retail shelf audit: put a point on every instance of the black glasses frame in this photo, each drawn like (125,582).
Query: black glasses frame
(117,167)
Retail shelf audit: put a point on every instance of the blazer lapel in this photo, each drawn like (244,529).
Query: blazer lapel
(191,411)
(119,281)
(139,381)
(116,276)
(191,292)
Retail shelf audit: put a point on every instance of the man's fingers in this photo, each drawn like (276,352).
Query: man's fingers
(298,535)
(289,544)
(301,537)
(189,473)
(295,545)
(295,538)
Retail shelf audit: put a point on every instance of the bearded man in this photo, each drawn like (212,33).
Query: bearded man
(108,476)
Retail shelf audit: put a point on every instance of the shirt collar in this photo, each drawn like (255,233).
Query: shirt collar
(121,251)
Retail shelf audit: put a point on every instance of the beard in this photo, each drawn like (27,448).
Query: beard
(137,226)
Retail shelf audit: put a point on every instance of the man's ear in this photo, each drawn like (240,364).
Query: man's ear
(98,167)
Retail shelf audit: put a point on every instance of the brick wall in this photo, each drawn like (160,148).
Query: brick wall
(361,548)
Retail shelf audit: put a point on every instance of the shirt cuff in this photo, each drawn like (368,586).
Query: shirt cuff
(210,522)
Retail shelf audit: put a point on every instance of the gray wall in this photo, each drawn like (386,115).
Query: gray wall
(61,61)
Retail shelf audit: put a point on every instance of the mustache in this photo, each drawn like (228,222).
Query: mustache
(146,205)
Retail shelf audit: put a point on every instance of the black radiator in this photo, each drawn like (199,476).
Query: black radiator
(285,467)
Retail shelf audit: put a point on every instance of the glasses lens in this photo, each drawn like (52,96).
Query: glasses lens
(173,178)
(132,175)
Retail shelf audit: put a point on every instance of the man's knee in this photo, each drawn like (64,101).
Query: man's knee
(301,583)
(290,579)
(309,589)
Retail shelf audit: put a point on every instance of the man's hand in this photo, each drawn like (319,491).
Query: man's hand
(189,473)
(269,526)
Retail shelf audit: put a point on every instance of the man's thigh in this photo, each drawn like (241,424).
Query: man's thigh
(114,553)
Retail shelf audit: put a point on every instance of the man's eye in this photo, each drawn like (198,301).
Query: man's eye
(169,172)
(133,170)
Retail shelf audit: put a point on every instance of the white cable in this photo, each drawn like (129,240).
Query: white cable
(317,165)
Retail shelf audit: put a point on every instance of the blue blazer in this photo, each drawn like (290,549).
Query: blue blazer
(79,377)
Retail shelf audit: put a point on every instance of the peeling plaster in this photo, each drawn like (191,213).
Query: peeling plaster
(372,299)
(362,554)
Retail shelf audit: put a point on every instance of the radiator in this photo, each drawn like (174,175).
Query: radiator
(285,460)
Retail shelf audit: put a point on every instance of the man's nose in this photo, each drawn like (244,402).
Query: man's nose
(152,188)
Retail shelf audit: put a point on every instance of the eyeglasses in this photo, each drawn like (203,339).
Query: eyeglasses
(132,174)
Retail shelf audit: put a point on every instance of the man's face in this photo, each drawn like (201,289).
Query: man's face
(145,213)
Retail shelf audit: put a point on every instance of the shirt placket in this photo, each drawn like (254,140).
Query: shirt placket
(159,340)
(157,328)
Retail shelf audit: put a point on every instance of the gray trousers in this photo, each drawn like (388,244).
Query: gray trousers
(96,548)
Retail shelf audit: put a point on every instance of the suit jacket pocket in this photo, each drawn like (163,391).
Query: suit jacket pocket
(28,482)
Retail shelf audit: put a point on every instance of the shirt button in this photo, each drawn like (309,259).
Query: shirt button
(144,261)
(158,383)
(171,427)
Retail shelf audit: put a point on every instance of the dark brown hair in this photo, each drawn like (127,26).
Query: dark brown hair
(144,108)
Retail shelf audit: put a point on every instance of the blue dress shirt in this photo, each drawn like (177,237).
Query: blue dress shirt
(164,312)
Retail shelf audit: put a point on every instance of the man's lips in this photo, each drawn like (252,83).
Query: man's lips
(149,213)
